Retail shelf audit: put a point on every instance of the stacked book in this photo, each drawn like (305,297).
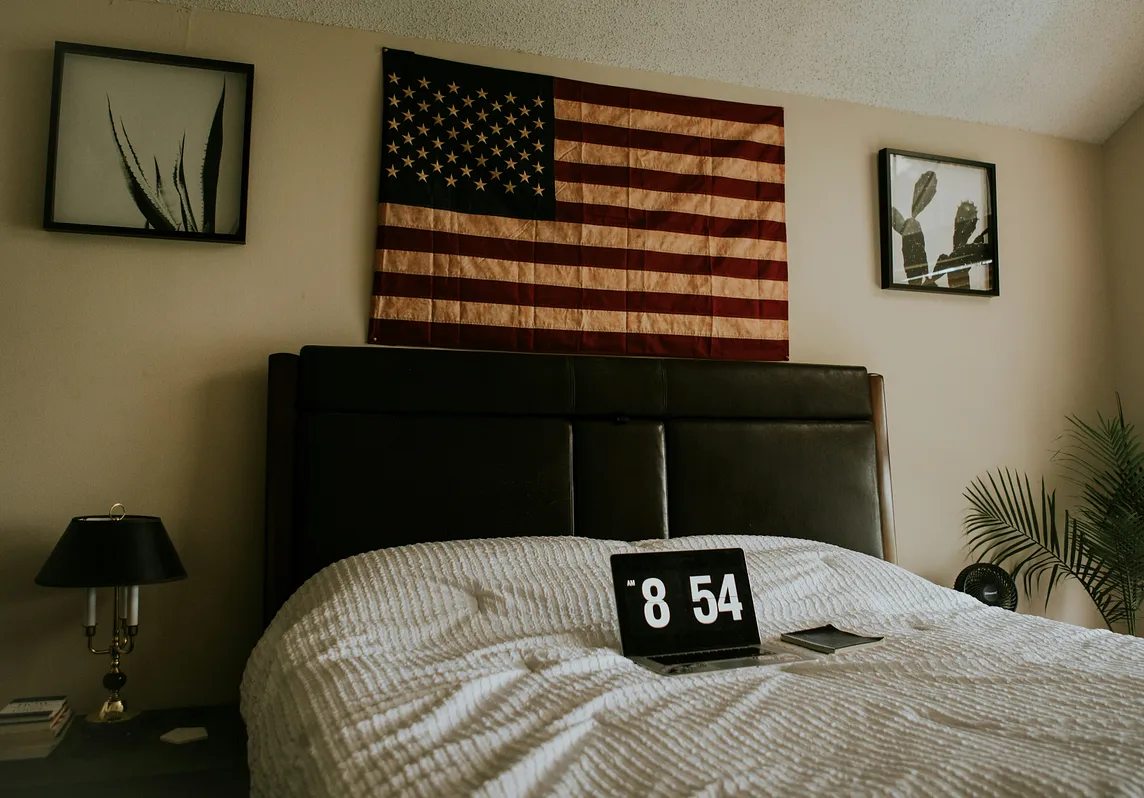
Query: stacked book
(31,728)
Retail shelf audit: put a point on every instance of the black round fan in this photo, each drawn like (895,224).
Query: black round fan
(990,584)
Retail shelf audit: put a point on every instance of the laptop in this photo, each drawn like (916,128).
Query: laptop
(689,612)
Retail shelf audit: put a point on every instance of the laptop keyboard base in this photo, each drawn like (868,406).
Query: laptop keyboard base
(707,656)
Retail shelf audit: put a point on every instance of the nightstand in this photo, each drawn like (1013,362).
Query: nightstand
(128,760)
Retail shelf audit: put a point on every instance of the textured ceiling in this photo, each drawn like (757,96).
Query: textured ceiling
(1072,68)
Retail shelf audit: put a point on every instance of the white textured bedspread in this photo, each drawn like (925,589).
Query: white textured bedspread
(492,667)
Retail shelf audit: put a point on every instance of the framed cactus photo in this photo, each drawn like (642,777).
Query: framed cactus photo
(148,144)
(938,223)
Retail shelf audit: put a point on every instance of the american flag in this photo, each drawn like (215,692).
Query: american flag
(532,213)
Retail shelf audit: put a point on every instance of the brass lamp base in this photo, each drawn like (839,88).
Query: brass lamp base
(112,711)
(112,717)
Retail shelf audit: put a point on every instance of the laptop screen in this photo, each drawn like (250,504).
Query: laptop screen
(673,602)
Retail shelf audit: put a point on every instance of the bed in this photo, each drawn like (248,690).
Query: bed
(439,609)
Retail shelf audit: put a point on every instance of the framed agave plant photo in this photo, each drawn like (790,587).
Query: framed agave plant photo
(938,223)
(146,144)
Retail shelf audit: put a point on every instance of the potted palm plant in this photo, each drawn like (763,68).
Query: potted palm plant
(1100,543)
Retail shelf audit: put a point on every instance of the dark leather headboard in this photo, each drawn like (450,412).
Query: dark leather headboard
(371,447)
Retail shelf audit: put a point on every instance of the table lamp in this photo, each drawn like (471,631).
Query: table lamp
(122,552)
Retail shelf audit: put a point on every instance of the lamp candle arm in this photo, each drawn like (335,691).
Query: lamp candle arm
(90,632)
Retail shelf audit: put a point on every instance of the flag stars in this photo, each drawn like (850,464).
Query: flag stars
(393,78)
(494,148)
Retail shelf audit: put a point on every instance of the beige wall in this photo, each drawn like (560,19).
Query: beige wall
(1123,205)
(133,370)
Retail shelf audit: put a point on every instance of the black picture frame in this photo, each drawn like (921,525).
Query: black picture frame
(962,248)
(228,168)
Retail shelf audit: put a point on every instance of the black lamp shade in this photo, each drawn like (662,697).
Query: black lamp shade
(101,551)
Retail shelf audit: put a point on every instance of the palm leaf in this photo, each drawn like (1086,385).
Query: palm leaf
(212,158)
(1100,544)
(1007,523)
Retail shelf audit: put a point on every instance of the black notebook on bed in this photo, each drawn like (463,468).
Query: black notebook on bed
(826,639)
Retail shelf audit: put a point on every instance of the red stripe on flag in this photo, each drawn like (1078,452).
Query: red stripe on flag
(413,240)
(472,336)
(596,94)
(670,221)
(498,292)
(591,133)
(630,177)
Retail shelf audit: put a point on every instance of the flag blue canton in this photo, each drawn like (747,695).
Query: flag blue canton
(477,140)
